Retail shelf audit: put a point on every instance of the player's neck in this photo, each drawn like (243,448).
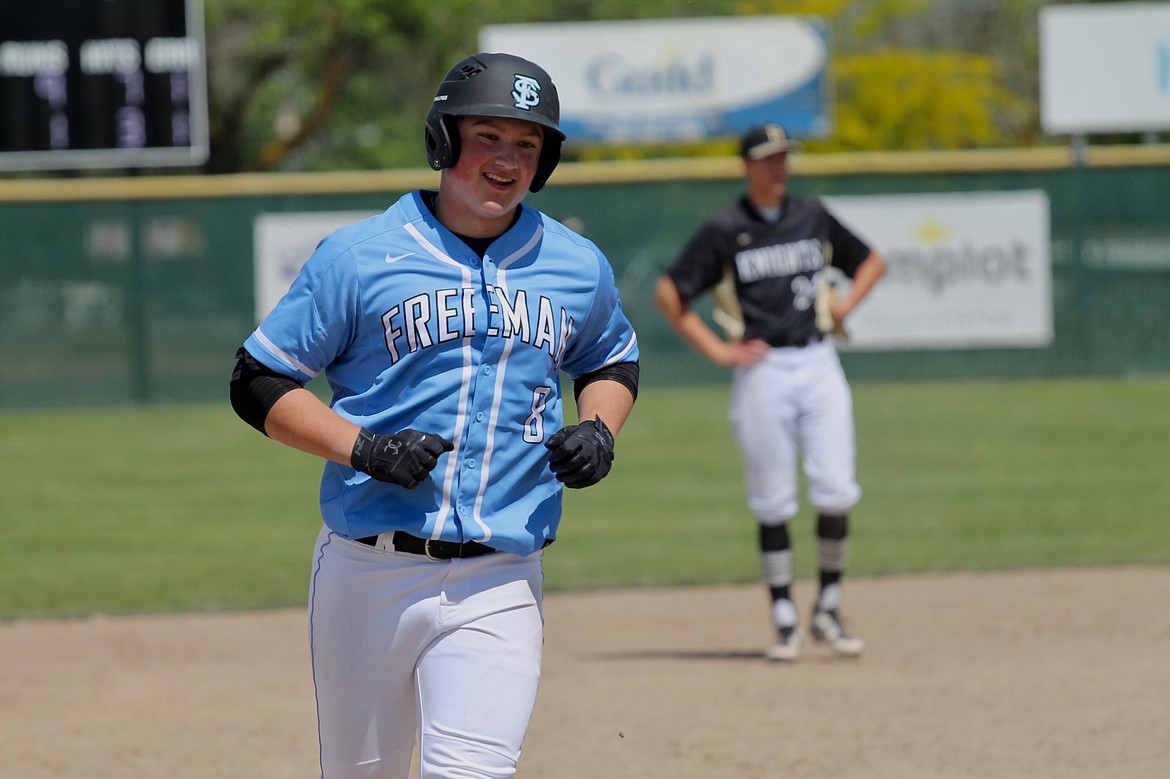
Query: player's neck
(769,205)
(770,199)
(478,243)
(465,221)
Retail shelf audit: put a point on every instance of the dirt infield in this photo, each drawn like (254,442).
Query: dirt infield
(1023,674)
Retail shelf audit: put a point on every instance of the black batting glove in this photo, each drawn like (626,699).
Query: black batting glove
(405,458)
(581,454)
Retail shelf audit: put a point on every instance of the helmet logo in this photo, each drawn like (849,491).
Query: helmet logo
(526,92)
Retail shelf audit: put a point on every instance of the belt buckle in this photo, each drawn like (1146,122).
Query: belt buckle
(427,551)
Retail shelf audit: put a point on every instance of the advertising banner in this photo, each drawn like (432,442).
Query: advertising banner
(1105,67)
(679,79)
(966,270)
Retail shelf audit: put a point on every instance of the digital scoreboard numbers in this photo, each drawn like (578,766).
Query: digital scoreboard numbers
(102,84)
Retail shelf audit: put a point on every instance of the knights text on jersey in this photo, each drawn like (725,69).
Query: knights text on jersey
(777,265)
(413,330)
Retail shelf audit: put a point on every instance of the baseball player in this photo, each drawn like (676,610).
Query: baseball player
(442,326)
(789,396)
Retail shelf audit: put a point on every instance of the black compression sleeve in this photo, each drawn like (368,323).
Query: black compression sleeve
(255,388)
(622,372)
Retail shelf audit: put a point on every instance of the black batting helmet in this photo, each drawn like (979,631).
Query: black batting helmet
(502,85)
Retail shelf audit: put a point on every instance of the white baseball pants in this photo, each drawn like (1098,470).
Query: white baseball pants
(449,650)
(795,402)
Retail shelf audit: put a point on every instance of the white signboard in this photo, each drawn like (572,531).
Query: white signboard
(1105,68)
(283,242)
(678,79)
(965,271)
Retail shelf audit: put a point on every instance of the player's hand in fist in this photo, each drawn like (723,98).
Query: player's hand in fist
(404,458)
(581,454)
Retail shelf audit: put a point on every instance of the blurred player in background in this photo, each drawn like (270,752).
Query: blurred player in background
(443,326)
(767,257)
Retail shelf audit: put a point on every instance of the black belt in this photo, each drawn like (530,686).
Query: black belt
(796,342)
(434,550)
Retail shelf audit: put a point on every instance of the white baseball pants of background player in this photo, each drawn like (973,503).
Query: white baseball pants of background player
(400,642)
(795,402)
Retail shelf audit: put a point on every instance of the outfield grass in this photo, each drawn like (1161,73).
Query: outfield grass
(187,508)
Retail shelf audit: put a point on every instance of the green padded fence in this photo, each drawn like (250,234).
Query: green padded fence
(141,289)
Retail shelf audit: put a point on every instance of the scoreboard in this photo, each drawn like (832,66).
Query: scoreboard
(102,84)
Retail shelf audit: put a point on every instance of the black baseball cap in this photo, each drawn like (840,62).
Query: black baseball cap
(764,140)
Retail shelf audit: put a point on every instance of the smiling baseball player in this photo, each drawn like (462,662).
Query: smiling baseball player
(442,326)
(766,257)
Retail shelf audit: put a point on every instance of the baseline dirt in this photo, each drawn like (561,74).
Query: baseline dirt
(1021,674)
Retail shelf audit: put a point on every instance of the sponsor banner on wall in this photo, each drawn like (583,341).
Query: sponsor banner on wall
(1105,67)
(281,244)
(657,80)
(966,270)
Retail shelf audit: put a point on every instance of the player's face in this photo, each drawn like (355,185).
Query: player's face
(497,162)
(767,178)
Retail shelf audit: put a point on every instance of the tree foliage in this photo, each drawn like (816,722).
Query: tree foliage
(297,83)
(305,85)
(912,100)
(926,74)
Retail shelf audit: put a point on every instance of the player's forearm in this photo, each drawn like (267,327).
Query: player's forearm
(301,420)
(689,325)
(610,400)
(868,273)
(702,338)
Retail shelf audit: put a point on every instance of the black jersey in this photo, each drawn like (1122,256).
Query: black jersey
(776,265)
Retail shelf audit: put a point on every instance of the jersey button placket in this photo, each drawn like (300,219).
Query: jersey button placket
(485,352)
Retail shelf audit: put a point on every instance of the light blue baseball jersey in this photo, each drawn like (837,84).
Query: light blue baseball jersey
(413,330)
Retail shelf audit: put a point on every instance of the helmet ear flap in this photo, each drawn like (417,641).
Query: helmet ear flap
(442,140)
(550,155)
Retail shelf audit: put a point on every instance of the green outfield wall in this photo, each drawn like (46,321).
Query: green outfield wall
(139,289)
